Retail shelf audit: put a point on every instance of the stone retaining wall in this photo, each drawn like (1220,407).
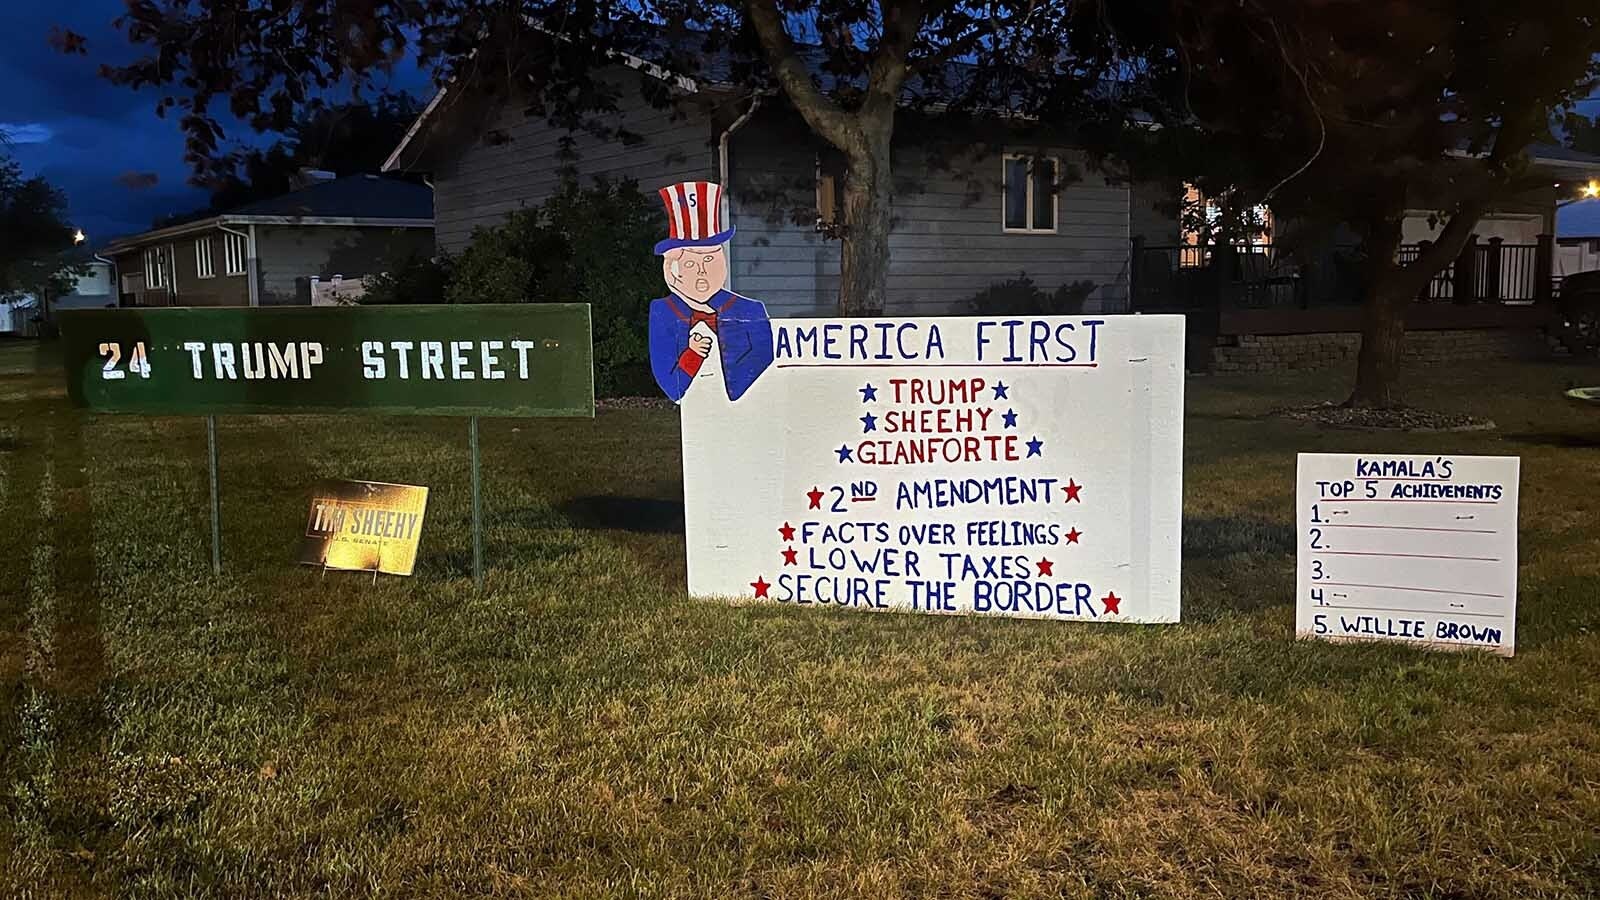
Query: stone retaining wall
(1283,352)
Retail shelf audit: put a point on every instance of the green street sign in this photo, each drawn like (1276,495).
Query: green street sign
(532,359)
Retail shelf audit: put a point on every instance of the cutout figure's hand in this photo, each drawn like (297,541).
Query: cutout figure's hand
(700,344)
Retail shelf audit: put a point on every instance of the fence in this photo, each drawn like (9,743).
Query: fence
(1264,276)
(1497,273)
(1255,276)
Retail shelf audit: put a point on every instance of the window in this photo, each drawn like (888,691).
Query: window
(233,253)
(1030,193)
(202,258)
(154,271)
(830,176)
(1203,221)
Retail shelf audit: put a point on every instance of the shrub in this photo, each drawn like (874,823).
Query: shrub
(582,245)
(1021,297)
(410,278)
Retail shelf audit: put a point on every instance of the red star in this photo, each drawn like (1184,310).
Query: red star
(1044,567)
(1074,534)
(761,586)
(1111,600)
(786,532)
(789,555)
(816,498)
(1072,488)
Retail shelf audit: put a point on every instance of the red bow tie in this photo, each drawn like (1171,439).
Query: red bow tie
(709,318)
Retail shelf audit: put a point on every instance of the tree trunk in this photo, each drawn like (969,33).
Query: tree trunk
(863,135)
(864,250)
(1391,289)
(1383,334)
(1383,324)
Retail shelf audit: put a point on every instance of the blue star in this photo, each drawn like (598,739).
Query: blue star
(1036,447)
(869,393)
(1011,418)
(844,453)
(869,422)
(1000,391)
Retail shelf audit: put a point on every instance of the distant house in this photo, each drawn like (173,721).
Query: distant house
(268,253)
(24,314)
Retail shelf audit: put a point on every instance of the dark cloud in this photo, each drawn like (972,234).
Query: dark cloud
(138,181)
(24,132)
(96,134)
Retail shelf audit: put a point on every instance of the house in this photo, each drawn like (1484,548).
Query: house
(267,253)
(94,287)
(1269,304)
(958,228)
(24,314)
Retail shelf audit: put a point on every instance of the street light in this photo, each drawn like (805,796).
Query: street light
(79,237)
(1590,190)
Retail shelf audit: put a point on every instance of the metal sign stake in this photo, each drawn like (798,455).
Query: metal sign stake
(216,502)
(477,505)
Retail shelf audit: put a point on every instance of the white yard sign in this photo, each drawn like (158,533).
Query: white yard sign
(994,466)
(1421,549)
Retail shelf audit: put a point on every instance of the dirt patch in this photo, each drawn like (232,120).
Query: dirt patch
(1406,418)
(634,403)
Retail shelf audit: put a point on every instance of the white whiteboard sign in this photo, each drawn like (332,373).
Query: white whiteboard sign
(1421,549)
(995,466)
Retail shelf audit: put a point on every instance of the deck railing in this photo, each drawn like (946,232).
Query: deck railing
(1265,276)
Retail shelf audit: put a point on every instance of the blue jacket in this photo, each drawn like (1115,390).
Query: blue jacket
(744,339)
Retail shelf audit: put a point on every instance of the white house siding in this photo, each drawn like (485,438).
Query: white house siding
(787,266)
(945,246)
(480,185)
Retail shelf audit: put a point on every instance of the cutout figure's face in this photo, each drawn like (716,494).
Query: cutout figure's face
(695,272)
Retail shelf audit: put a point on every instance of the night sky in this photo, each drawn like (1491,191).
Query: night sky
(120,165)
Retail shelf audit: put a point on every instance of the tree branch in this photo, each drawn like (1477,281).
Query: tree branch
(1511,139)
(1444,250)
(823,115)
(888,71)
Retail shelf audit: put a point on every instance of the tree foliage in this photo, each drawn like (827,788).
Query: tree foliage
(1583,133)
(848,68)
(35,237)
(580,246)
(1350,111)
(342,138)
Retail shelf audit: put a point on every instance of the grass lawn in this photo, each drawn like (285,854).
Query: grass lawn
(582,729)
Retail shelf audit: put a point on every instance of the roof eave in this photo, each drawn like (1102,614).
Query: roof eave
(348,221)
(122,245)
(661,73)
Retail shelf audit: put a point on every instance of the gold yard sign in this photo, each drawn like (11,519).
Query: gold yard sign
(365,526)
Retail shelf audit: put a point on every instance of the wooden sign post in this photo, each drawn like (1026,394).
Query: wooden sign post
(489,360)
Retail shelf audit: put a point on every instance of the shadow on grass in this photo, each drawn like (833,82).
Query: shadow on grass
(1560,440)
(643,515)
(1222,537)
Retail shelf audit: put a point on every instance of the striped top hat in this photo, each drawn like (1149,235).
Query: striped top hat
(694,216)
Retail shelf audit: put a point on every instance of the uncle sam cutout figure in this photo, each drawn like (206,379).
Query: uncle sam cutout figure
(703,337)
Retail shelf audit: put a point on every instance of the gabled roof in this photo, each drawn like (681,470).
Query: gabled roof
(369,201)
(429,113)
